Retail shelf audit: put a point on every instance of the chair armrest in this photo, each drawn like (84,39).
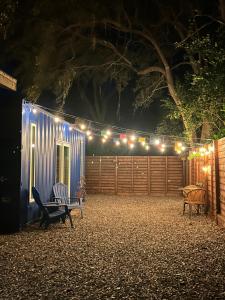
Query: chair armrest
(77,199)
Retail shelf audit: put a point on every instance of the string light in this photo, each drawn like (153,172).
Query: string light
(127,135)
(70,128)
(90,137)
(131,146)
(133,137)
(108,132)
(34,110)
(206,169)
(82,126)
(117,143)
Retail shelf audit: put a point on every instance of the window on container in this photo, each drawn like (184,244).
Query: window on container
(32,158)
(63,164)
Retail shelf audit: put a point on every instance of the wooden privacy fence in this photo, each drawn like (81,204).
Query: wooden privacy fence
(214,179)
(143,175)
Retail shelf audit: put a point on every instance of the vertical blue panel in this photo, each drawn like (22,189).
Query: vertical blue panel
(48,133)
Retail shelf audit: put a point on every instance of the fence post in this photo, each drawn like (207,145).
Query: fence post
(166,187)
(116,183)
(100,173)
(149,175)
(217,177)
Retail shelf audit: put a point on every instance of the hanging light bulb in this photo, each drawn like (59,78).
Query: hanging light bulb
(179,144)
(131,146)
(90,137)
(163,146)
(202,149)
(82,126)
(70,128)
(117,143)
(211,148)
(103,140)
(133,137)
(108,132)
(124,140)
(157,142)
(147,147)
(34,110)
(183,148)
(88,132)
(162,149)
(143,143)
(57,119)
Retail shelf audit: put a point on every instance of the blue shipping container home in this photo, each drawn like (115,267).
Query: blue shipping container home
(52,150)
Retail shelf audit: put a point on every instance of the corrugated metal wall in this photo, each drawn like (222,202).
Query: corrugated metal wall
(48,133)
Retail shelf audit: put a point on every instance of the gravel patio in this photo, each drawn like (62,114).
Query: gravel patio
(124,248)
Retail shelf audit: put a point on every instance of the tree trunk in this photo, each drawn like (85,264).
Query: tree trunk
(206,131)
(169,78)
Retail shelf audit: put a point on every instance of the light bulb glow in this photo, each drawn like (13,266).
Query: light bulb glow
(131,146)
(157,142)
(57,119)
(108,132)
(133,137)
(34,110)
(88,132)
(124,140)
(82,126)
(103,140)
(70,128)
(117,143)
(147,147)
(211,148)
(143,144)
(90,137)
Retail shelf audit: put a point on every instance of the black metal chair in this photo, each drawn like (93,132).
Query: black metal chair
(47,216)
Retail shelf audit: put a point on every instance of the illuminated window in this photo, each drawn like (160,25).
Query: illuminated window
(63,164)
(32,159)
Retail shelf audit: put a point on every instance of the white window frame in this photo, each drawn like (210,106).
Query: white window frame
(32,159)
(61,163)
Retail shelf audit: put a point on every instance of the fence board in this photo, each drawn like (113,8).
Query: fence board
(142,175)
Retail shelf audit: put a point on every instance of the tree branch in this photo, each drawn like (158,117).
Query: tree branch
(151,70)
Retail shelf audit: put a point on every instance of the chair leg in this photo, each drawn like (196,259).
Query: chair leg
(70,218)
(81,213)
(190,210)
(41,222)
(46,224)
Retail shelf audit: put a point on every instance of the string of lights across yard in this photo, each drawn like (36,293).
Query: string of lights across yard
(125,136)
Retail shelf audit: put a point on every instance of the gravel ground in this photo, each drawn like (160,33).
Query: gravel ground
(124,248)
